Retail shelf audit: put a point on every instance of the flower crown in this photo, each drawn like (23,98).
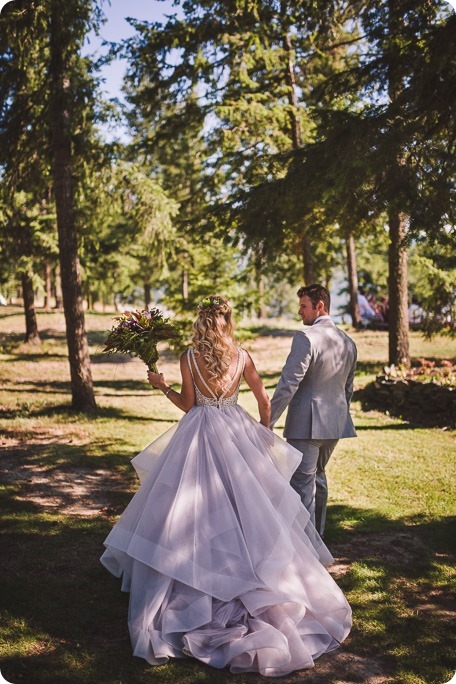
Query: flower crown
(210,304)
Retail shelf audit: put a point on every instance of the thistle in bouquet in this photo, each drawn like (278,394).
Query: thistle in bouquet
(137,333)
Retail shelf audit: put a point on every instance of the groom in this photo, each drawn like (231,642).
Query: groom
(317,386)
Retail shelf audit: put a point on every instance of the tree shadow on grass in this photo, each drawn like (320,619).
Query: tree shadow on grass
(93,414)
(97,337)
(9,342)
(267,331)
(389,426)
(134,387)
(57,592)
(393,574)
(368,367)
(113,359)
(75,479)
(41,386)
(346,523)
(37,357)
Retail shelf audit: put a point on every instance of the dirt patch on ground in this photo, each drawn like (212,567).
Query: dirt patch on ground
(350,668)
(81,491)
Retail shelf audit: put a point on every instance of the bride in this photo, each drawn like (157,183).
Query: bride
(215,548)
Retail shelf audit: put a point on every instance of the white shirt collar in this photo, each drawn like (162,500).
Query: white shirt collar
(322,318)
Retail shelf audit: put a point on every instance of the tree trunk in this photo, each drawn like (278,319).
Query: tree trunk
(147,295)
(62,99)
(296,139)
(58,288)
(47,285)
(259,281)
(31,327)
(352,280)
(399,354)
(261,310)
(89,298)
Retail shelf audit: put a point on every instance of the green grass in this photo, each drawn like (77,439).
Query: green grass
(67,477)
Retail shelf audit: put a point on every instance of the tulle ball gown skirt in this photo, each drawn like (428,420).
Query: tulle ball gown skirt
(218,554)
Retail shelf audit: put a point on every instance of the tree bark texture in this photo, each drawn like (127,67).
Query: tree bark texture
(47,285)
(398,339)
(58,288)
(78,354)
(147,295)
(399,353)
(31,325)
(352,280)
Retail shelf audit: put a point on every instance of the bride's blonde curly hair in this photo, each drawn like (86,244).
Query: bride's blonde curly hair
(213,337)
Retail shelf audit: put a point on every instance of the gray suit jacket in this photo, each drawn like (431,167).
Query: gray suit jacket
(317,384)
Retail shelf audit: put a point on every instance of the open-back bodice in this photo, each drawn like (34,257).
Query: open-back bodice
(213,399)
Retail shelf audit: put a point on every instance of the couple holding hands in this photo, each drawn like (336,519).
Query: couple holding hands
(223,559)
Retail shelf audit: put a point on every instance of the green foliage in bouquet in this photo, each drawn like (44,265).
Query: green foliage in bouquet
(137,333)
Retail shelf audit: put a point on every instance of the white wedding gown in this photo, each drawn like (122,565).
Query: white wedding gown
(217,550)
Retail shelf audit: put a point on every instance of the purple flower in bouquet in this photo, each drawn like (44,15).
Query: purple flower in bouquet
(137,333)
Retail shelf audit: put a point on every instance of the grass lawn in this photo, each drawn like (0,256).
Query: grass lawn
(65,479)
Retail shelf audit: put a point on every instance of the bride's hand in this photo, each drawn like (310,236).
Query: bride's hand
(156,380)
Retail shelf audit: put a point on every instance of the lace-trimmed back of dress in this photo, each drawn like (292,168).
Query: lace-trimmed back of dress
(214,400)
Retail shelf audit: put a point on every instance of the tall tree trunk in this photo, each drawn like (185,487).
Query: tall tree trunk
(147,295)
(352,279)
(259,281)
(89,298)
(78,353)
(399,353)
(261,310)
(58,288)
(296,139)
(31,325)
(47,285)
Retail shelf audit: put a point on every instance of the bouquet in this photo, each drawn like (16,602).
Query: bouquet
(137,333)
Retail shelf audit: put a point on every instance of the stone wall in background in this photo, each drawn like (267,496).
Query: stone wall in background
(422,403)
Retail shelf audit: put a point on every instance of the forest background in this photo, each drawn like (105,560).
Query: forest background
(268,144)
(256,146)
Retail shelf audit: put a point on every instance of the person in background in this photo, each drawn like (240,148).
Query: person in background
(383,308)
(415,313)
(366,312)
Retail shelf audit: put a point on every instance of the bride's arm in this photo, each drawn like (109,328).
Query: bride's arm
(254,382)
(184,399)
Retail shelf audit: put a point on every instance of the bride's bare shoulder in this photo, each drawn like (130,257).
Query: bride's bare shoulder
(184,357)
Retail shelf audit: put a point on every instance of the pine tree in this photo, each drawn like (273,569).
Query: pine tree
(46,120)
(245,71)
(383,154)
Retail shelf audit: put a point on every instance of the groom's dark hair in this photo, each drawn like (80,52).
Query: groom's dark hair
(315,294)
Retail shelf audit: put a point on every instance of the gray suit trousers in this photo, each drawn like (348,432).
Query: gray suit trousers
(309,480)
